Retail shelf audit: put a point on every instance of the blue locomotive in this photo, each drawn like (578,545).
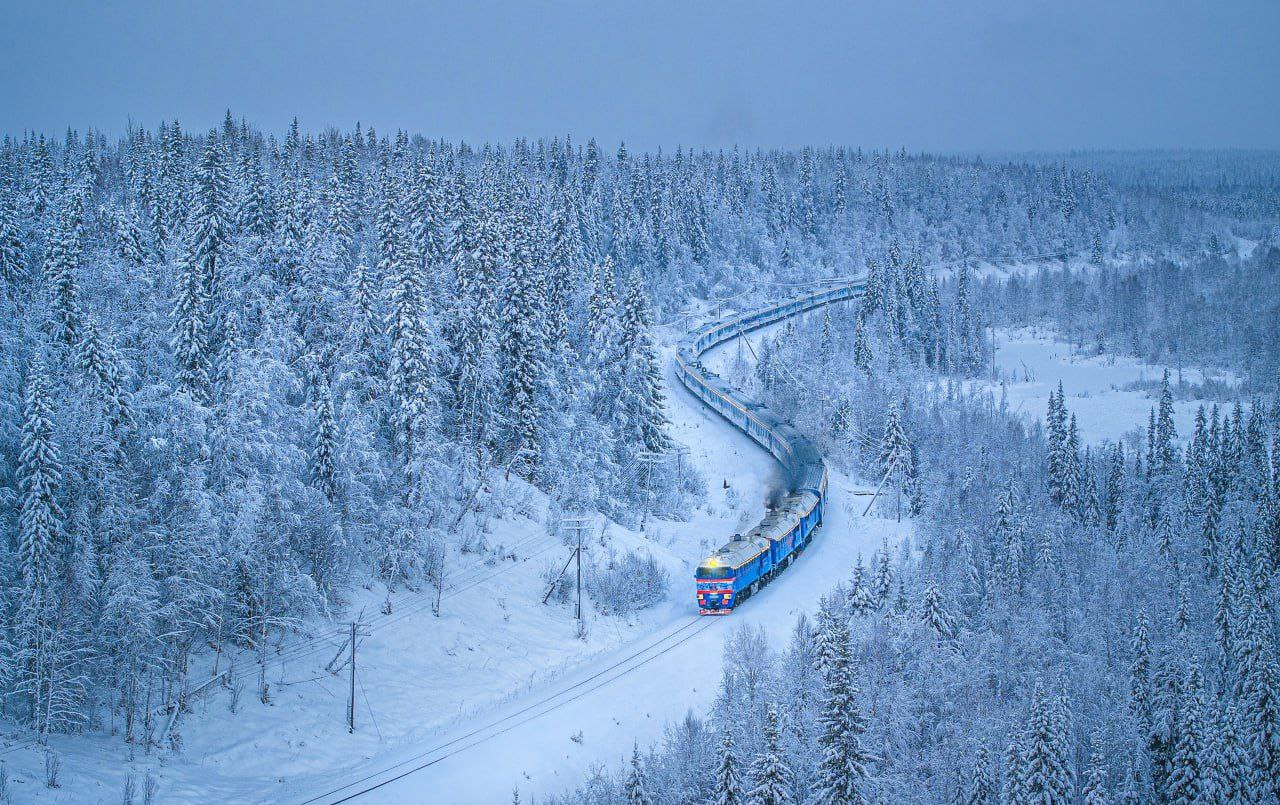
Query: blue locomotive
(746,563)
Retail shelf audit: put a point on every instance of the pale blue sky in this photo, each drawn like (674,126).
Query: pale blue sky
(982,74)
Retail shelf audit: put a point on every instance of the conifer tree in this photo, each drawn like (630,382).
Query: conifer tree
(324,471)
(190,337)
(1166,454)
(13,268)
(636,788)
(728,786)
(1046,754)
(896,456)
(770,777)
(882,584)
(522,350)
(1057,437)
(1187,774)
(842,768)
(1095,781)
(934,612)
(641,404)
(209,231)
(981,789)
(861,349)
(62,263)
(39,478)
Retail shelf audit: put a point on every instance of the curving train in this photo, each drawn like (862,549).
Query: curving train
(747,562)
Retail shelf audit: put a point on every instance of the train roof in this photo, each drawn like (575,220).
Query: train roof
(738,551)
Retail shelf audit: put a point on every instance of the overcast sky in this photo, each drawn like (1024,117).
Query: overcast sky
(953,76)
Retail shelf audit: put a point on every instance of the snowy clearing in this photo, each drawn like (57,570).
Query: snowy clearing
(1109,394)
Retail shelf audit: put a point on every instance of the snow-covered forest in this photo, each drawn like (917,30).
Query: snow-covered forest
(1073,622)
(242,375)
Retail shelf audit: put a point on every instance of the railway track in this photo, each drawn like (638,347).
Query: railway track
(671,639)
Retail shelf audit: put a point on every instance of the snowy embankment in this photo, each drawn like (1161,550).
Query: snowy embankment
(1109,394)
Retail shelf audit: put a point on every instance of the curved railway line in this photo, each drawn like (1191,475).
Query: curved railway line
(796,454)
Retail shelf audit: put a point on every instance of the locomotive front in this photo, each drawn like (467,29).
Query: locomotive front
(715,588)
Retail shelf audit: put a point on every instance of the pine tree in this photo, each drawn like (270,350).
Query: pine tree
(981,789)
(13,268)
(896,456)
(1046,754)
(770,776)
(1187,774)
(636,788)
(190,314)
(934,613)
(842,768)
(728,787)
(39,479)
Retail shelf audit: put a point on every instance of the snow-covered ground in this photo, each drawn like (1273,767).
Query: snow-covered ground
(547,739)
(1100,389)
(428,683)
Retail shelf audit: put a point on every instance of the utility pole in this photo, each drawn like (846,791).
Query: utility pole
(351,697)
(435,606)
(578,525)
(351,701)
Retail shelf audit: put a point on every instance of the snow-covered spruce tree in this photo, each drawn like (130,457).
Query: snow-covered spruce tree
(728,784)
(640,414)
(62,264)
(190,315)
(208,228)
(521,348)
(934,613)
(13,268)
(39,476)
(36,640)
(1188,774)
(635,789)
(1046,754)
(770,776)
(981,788)
(842,769)
(897,459)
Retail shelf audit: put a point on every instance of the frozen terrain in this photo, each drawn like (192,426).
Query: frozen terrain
(546,705)
(1109,394)
(545,740)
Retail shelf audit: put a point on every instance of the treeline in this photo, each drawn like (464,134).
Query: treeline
(1202,309)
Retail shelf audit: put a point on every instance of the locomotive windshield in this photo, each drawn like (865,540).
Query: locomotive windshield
(719,572)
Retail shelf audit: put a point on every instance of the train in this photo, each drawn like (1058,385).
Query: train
(747,562)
